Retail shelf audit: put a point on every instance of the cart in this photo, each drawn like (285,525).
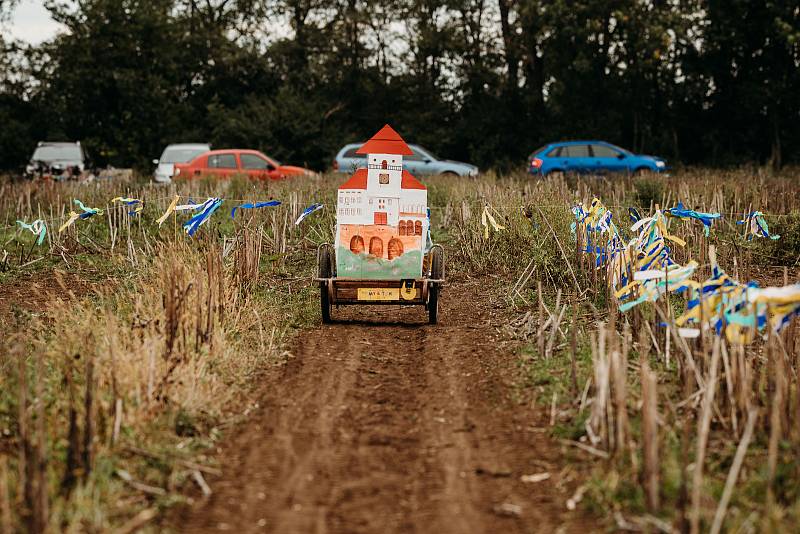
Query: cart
(413,292)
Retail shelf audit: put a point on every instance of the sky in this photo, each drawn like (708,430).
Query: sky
(30,22)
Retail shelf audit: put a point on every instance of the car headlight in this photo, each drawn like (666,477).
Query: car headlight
(660,164)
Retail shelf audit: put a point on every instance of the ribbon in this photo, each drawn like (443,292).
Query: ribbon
(73,216)
(170,209)
(486,220)
(250,205)
(138,204)
(207,209)
(757,226)
(37,228)
(308,211)
(680,212)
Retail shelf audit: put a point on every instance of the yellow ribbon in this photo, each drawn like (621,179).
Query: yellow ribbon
(170,209)
(72,218)
(486,220)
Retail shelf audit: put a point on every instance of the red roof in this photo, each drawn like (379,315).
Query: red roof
(409,182)
(359,181)
(386,141)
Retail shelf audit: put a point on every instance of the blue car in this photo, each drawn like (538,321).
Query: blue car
(423,162)
(590,157)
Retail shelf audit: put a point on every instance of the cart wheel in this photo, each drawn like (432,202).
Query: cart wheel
(437,271)
(325,271)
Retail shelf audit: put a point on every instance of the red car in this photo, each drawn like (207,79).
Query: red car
(227,163)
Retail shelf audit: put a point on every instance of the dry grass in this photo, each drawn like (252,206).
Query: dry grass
(113,399)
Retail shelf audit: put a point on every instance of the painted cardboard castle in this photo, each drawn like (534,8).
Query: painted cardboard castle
(381,215)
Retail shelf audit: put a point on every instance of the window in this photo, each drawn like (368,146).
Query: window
(575,151)
(351,153)
(539,150)
(417,156)
(384,165)
(253,162)
(556,152)
(222,161)
(383,178)
(181,155)
(603,151)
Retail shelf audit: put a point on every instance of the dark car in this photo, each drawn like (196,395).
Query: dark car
(57,160)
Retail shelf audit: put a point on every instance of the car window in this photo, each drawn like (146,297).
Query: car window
(575,151)
(554,153)
(253,162)
(58,152)
(427,154)
(180,155)
(417,156)
(222,161)
(351,153)
(603,151)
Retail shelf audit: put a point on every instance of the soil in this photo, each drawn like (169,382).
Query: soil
(383,423)
(31,292)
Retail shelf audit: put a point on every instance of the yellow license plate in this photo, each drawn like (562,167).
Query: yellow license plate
(378,293)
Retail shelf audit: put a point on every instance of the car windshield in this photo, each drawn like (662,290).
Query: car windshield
(273,161)
(181,154)
(430,154)
(58,153)
(626,152)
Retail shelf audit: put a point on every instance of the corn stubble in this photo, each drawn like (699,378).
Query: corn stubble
(115,397)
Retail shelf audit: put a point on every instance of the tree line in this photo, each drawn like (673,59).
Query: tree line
(486,81)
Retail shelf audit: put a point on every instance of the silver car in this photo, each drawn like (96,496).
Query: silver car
(178,153)
(421,163)
(59,160)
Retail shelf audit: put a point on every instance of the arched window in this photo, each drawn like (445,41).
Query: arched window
(418,228)
(384,165)
(376,246)
(356,244)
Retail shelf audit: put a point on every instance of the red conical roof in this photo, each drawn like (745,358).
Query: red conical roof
(386,141)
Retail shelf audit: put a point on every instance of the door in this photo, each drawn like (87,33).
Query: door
(256,166)
(380,217)
(607,159)
(576,158)
(222,165)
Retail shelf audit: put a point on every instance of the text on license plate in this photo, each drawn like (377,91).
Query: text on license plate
(378,293)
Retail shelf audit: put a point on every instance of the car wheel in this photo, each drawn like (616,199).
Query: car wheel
(449,174)
(642,172)
(556,173)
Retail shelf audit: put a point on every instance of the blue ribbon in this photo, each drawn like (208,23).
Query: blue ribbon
(308,211)
(250,205)
(207,209)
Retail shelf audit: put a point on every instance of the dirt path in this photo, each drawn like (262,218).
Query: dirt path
(383,423)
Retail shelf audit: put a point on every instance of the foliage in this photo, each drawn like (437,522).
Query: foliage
(711,82)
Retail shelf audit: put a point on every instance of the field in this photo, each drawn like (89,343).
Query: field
(154,381)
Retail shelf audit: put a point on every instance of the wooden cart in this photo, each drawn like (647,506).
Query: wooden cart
(417,292)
